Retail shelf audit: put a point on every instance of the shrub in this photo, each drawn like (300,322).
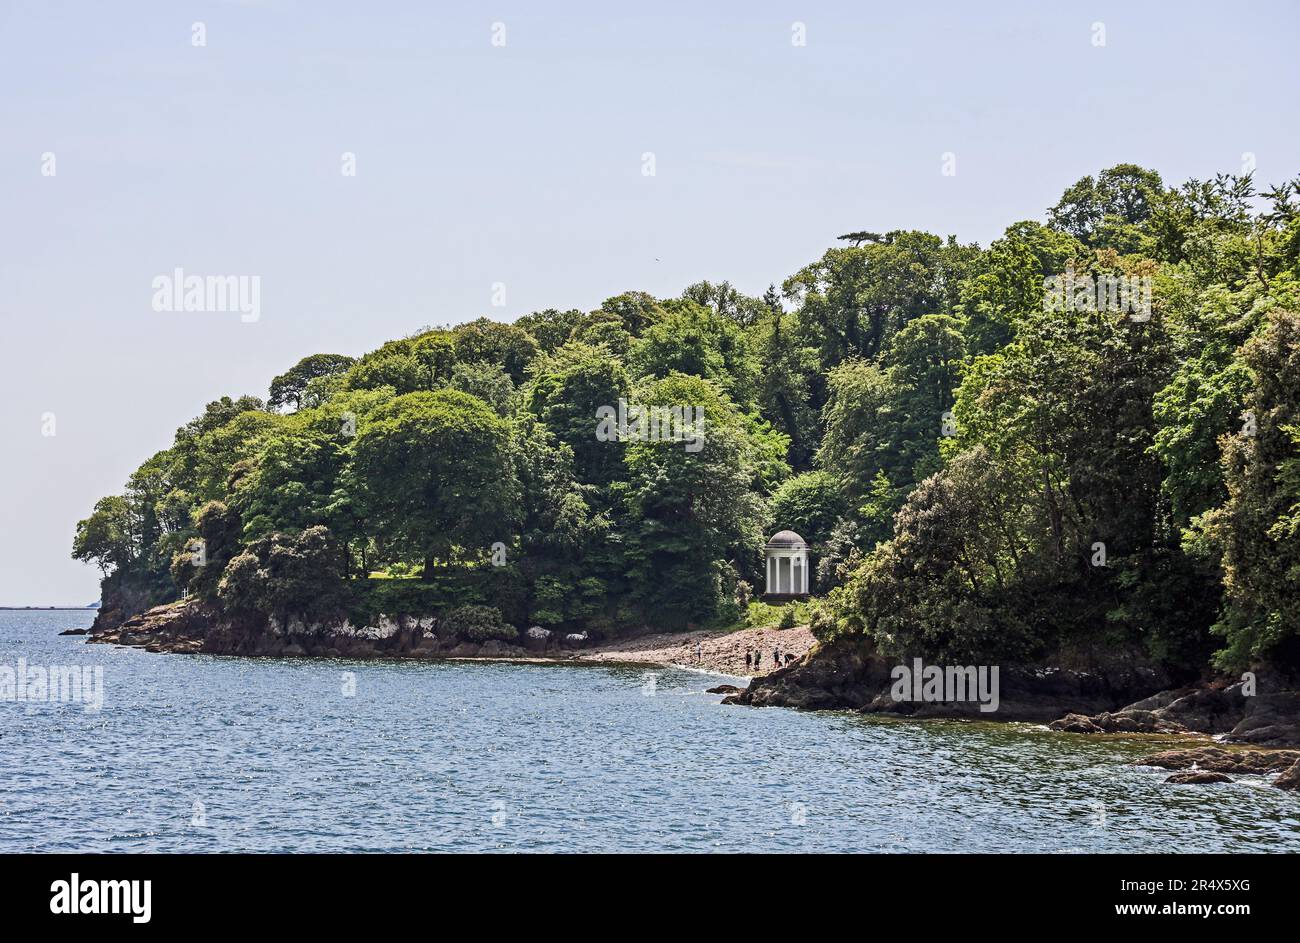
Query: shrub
(287,575)
(479,624)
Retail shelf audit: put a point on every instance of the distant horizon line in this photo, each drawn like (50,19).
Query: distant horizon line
(94,605)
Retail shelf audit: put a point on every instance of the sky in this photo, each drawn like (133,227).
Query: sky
(501,156)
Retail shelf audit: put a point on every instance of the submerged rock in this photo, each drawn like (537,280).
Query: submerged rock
(1219,760)
(1196,777)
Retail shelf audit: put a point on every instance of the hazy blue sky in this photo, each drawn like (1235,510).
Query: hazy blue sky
(522,165)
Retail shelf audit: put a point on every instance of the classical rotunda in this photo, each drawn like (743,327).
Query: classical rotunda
(787,565)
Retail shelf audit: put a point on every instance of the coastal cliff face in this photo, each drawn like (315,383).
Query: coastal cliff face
(120,602)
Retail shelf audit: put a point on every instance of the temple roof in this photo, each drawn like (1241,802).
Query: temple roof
(787,540)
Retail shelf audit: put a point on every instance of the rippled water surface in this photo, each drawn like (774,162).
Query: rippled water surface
(197,753)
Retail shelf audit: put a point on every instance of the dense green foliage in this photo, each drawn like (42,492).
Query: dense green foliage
(986,466)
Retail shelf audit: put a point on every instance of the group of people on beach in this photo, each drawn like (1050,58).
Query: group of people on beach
(755,660)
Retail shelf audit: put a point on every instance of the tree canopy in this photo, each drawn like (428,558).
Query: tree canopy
(987,465)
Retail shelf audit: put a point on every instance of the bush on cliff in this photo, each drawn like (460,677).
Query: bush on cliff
(287,576)
(478,624)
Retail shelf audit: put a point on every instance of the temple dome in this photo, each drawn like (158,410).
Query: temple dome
(787,540)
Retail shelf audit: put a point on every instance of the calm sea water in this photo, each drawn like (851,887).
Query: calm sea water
(197,753)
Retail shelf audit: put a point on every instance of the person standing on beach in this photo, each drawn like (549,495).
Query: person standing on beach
(748,660)
(699,653)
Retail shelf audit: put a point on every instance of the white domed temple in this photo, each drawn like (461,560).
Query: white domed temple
(787,566)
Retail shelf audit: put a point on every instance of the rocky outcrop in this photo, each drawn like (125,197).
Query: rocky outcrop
(1220,760)
(848,676)
(1198,777)
(121,601)
(830,678)
(724,689)
(1269,720)
(1213,764)
(1265,719)
(1125,721)
(1290,778)
(1204,710)
(200,627)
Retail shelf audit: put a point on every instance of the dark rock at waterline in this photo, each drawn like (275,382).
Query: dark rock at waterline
(1125,721)
(1290,778)
(1197,777)
(1203,762)
(1267,719)
(850,676)
(831,678)
(1200,710)
(724,689)
(1219,760)
(74,631)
